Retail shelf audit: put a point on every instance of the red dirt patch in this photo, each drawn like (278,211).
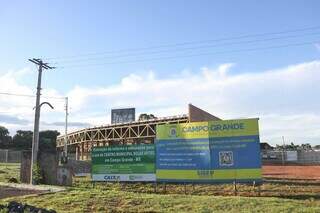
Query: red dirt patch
(291,172)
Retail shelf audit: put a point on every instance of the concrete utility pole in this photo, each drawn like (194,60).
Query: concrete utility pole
(35,140)
(66,130)
(283,150)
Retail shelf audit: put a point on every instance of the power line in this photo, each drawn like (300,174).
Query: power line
(195,55)
(15,94)
(182,49)
(29,96)
(186,43)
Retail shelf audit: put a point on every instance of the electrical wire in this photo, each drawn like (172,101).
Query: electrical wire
(181,49)
(29,96)
(195,55)
(15,94)
(185,43)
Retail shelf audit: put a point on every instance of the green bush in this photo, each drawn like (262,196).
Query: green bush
(37,174)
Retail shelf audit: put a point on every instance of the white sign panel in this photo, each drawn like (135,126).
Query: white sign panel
(124,177)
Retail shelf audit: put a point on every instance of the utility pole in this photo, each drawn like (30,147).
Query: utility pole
(66,131)
(283,150)
(35,139)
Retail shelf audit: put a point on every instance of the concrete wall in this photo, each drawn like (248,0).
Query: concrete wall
(25,167)
(48,163)
(79,167)
(196,115)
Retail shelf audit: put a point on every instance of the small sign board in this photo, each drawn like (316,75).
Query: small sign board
(64,176)
(122,115)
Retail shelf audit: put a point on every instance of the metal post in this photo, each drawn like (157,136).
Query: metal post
(235,188)
(7,157)
(155,187)
(77,152)
(254,186)
(185,188)
(283,150)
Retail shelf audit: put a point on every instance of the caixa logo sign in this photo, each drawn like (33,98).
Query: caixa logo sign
(112,177)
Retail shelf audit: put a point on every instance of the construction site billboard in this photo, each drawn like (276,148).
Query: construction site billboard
(124,163)
(210,152)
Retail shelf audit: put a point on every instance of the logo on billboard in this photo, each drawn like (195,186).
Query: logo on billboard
(226,158)
(112,177)
(173,132)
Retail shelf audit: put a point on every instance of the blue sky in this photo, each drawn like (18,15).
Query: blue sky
(50,29)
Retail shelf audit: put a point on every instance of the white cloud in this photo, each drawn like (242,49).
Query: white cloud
(16,112)
(284,99)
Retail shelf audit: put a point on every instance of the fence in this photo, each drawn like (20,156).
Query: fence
(290,157)
(10,156)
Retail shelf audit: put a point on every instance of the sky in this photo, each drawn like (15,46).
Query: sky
(234,59)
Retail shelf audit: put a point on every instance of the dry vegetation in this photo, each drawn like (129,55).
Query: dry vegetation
(297,196)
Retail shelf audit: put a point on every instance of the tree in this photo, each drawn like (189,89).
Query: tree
(22,140)
(306,146)
(5,138)
(4,132)
(292,146)
(144,117)
(47,140)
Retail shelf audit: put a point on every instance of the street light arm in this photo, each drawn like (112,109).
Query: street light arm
(45,103)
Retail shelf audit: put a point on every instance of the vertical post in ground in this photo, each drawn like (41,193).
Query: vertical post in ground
(235,190)
(185,188)
(283,151)
(155,187)
(7,157)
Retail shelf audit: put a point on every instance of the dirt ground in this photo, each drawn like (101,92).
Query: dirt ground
(291,172)
(11,192)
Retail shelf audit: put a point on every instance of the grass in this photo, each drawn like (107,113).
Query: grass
(112,198)
(115,197)
(9,170)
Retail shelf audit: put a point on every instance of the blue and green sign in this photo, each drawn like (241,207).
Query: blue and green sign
(213,152)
